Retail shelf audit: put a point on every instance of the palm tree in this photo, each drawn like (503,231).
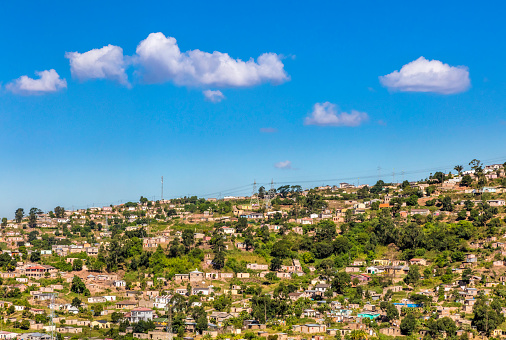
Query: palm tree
(459,169)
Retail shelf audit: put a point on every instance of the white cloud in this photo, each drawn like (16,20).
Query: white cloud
(160,60)
(107,62)
(283,165)
(48,81)
(422,75)
(326,114)
(214,96)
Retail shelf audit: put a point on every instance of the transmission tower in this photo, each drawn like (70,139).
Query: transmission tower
(169,321)
(52,316)
(254,197)
(269,196)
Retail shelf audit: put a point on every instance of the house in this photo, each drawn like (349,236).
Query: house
(126,304)
(196,276)
(220,317)
(423,212)
(496,203)
(8,335)
(34,336)
(182,291)
(321,287)
(375,270)
(255,266)
(162,301)
(419,262)
(39,271)
(309,328)
(368,315)
(202,290)
(141,313)
(101,324)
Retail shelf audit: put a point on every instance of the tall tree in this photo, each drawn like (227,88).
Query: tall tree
(32,217)
(408,324)
(20,213)
(59,212)
(459,169)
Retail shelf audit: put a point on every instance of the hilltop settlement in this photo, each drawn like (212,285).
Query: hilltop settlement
(409,260)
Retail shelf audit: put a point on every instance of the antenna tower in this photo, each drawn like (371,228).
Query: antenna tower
(254,197)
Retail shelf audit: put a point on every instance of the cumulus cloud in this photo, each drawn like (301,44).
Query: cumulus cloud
(268,130)
(283,165)
(107,62)
(214,96)
(326,114)
(422,75)
(48,81)
(160,60)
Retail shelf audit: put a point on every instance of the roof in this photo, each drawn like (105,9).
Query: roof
(127,302)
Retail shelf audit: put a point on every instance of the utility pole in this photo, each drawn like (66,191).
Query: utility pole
(162,189)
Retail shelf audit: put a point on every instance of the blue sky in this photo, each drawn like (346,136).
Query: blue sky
(105,131)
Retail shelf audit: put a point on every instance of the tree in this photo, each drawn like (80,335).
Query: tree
(25,324)
(412,200)
(281,249)
(242,224)
(439,177)
(392,313)
(487,318)
(446,204)
(466,181)
(32,217)
(77,265)
(340,282)
(188,239)
(261,192)
(76,302)
(97,310)
(35,256)
(476,165)
(413,276)
(248,239)
(78,285)
(4,222)
(201,324)
(18,216)
(116,316)
(219,260)
(408,324)
(59,212)
(459,169)
(325,230)
(276,264)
